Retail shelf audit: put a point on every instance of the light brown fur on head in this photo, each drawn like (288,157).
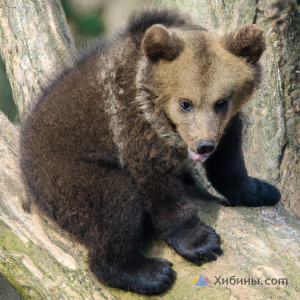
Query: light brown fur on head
(209,69)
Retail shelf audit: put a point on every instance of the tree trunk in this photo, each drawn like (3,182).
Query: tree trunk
(44,262)
(35,41)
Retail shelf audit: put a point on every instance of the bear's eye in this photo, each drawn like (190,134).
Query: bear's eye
(186,106)
(221,106)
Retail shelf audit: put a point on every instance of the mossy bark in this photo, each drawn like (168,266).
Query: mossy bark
(44,262)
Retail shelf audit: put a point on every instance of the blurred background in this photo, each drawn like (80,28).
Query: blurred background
(87,20)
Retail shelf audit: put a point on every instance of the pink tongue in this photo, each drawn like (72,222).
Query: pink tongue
(198,157)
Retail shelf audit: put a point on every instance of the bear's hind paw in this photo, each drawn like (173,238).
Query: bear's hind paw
(151,276)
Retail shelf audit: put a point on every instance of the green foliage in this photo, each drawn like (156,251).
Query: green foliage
(87,24)
(90,24)
(68,9)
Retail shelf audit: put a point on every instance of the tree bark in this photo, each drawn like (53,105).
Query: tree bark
(35,42)
(44,262)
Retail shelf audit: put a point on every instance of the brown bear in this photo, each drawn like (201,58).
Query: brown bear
(105,149)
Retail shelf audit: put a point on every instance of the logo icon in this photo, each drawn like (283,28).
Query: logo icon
(200,281)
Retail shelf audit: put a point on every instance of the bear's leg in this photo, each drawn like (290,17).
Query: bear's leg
(115,241)
(226,170)
(174,217)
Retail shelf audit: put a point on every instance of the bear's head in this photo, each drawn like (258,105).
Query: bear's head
(191,82)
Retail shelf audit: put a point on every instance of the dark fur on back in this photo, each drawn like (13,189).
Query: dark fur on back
(139,22)
(95,162)
(77,59)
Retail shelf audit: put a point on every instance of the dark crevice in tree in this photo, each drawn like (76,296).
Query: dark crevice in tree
(7,104)
(282,155)
(256,12)
(223,4)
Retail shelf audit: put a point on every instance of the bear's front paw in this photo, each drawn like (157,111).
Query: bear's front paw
(195,241)
(254,193)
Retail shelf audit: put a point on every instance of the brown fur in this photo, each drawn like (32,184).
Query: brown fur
(105,148)
(248,42)
(159,43)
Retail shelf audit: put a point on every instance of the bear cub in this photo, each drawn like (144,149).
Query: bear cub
(104,151)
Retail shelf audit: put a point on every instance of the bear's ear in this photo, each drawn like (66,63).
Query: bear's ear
(248,42)
(160,43)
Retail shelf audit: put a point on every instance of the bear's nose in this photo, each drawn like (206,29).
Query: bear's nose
(204,147)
